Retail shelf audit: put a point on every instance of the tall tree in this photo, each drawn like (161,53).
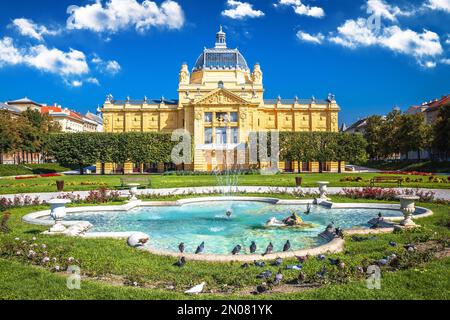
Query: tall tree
(441,132)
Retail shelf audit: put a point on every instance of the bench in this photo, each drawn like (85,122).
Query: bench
(385,179)
(144,182)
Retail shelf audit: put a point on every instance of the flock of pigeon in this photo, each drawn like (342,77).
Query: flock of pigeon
(267,276)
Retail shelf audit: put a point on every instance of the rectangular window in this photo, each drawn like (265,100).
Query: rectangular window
(208,117)
(221,136)
(221,116)
(235,135)
(208,136)
(234,117)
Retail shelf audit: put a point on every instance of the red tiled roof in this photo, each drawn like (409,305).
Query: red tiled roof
(47,109)
(439,103)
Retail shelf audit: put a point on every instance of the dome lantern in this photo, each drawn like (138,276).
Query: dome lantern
(221,39)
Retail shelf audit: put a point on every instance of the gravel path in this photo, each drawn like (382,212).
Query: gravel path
(442,194)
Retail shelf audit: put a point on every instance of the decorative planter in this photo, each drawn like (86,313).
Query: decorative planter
(133,191)
(58,212)
(323,189)
(60,185)
(408,207)
(298,181)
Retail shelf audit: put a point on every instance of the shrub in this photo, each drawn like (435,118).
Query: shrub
(19,201)
(102,195)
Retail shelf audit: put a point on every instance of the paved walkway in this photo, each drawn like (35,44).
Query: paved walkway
(443,194)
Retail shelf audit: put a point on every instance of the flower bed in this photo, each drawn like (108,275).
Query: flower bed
(387,194)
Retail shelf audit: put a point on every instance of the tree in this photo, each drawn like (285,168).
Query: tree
(413,133)
(441,132)
(373,136)
(9,136)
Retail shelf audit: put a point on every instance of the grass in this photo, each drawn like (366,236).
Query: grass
(422,166)
(114,261)
(93,182)
(7,170)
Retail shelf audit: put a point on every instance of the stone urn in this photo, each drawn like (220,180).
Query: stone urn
(58,212)
(133,191)
(323,189)
(408,207)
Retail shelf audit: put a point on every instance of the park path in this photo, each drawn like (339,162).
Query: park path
(442,194)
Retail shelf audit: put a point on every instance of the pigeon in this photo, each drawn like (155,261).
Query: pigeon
(322,272)
(341,266)
(287,246)
(236,250)
(264,275)
(301,259)
(197,289)
(278,278)
(393,244)
(409,247)
(334,262)
(277,262)
(301,277)
(181,247)
(269,249)
(261,288)
(253,247)
(245,266)
(200,248)
(321,257)
(180,263)
(359,269)
(294,267)
(382,262)
(260,264)
(339,232)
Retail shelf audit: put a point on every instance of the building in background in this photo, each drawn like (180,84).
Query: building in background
(95,120)
(24,104)
(220,103)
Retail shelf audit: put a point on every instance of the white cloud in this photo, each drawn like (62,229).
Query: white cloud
(382,9)
(112,67)
(117,15)
(76,83)
(93,81)
(72,62)
(28,28)
(425,47)
(306,37)
(241,10)
(445,61)
(443,5)
(301,9)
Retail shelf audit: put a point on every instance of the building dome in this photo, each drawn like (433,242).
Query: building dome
(220,57)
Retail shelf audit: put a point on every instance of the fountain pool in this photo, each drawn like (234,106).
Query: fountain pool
(193,223)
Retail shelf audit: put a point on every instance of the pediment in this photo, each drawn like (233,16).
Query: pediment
(221,97)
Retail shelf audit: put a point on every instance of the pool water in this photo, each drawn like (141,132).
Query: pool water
(207,221)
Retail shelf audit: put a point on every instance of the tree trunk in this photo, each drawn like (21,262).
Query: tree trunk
(339,166)
(81,169)
(418,155)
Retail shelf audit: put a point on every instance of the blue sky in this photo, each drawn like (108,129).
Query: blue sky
(372,54)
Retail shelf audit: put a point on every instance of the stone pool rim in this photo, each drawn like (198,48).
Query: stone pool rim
(334,246)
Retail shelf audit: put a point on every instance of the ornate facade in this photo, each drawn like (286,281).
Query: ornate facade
(220,102)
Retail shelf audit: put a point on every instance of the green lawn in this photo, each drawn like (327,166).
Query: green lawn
(422,166)
(92,182)
(116,263)
(30,169)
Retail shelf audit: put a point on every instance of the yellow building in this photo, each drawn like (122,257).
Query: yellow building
(219,103)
